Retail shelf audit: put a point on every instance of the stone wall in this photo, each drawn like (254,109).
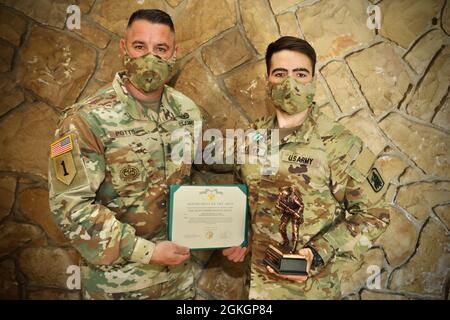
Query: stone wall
(390,86)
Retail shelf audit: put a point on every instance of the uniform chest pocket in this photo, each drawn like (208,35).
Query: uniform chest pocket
(129,178)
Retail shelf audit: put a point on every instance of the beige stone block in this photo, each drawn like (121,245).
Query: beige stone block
(281,5)
(7,193)
(288,25)
(226,53)
(334,27)
(174,3)
(446,19)
(442,117)
(91,89)
(427,147)
(328,110)
(85,5)
(370,295)
(432,89)
(424,50)
(197,84)
(47,266)
(93,34)
(443,212)
(410,175)
(405,20)
(390,167)
(12,26)
(15,235)
(248,86)
(224,279)
(390,193)
(33,203)
(344,92)
(366,128)
(6,57)
(201,21)
(382,76)
(419,198)
(427,270)
(25,139)
(321,96)
(47,12)
(399,240)
(113,15)
(54,66)
(9,287)
(355,273)
(12,95)
(112,62)
(259,23)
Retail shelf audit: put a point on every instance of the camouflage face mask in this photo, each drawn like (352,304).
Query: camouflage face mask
(148,72)
(292,96)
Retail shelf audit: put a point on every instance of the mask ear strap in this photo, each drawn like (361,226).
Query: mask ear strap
(126,49)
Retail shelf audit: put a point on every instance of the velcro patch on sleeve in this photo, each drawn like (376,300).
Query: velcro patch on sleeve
(61,146)
(364,161)
(65,169)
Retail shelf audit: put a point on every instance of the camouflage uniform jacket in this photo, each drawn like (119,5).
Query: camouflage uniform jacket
(344,211)
(109,192)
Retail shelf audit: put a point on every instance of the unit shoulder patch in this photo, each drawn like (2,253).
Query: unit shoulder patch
(375,180)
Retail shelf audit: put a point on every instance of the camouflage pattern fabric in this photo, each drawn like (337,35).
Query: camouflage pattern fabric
(344,210)
(148,72)
(108,193)
(293,96)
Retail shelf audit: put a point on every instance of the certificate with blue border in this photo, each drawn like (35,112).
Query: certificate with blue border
(208,217)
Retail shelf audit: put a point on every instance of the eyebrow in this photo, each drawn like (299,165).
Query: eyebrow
(143,43)
(295,70)
(278,69)
(302,69)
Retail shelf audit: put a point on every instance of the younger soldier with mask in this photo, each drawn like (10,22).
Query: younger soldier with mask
(330,171)
(110,167)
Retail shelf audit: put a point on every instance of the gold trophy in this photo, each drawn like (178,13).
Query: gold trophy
(282,258)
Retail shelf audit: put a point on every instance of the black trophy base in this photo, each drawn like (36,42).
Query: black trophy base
(285,263)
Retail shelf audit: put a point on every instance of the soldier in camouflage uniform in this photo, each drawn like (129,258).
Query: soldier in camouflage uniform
(110,169)
(342,191)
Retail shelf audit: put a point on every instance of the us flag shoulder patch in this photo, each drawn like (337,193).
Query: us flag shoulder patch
(61,146)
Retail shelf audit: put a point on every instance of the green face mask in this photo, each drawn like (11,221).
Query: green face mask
(148,72)
(292,96)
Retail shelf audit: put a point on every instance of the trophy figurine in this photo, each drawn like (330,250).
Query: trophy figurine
(282,258)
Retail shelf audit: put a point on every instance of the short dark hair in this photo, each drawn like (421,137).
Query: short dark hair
(294,44)
(153,16)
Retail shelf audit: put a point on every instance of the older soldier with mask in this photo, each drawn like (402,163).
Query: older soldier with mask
(332,173)
(110,167)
